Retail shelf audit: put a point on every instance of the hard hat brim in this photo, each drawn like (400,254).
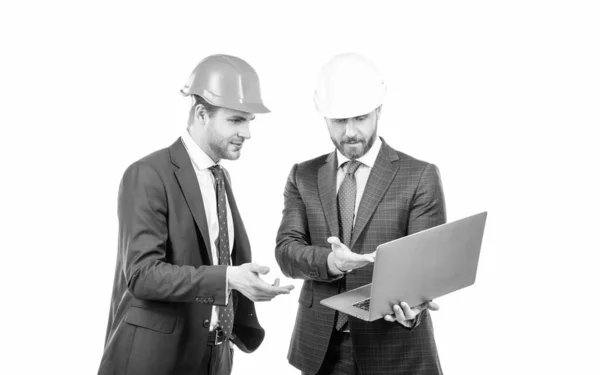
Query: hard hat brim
(221,102)
(247,107)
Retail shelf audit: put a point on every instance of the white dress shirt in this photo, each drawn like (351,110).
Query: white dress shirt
(201,163)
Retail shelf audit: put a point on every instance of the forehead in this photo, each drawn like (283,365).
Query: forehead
(233,113)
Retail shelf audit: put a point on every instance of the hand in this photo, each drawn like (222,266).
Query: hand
(246,280)
(405,315)
(345,259)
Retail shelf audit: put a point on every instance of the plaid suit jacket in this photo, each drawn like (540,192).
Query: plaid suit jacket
(403,196)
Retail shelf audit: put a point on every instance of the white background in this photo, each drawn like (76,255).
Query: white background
(503,96)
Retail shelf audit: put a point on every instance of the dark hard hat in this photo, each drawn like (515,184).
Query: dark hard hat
(226,81)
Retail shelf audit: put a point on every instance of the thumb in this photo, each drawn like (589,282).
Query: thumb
(263,270)
(334,241)
(433,306)
(369,257)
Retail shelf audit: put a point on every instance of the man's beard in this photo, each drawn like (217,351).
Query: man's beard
(351,152)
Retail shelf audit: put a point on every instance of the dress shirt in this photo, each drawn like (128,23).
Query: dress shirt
(201,163)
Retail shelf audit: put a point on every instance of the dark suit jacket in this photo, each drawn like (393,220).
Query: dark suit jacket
(403,196)
(165,283)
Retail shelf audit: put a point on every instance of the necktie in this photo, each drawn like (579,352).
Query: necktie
(222,244)
(346,202)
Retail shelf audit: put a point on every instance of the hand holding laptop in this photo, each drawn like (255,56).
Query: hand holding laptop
(412,271)
(404,315)
(346,260)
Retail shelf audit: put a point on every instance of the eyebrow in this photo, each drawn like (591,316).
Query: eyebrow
(237,117)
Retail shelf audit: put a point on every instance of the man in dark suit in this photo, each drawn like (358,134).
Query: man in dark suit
(185,284)
(338,208)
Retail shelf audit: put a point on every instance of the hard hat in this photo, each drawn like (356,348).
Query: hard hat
(226,81)
(349,85)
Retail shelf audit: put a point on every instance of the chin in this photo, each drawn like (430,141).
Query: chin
(232,155)
(354,152)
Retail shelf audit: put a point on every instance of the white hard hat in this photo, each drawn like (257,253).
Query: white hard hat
(349,85)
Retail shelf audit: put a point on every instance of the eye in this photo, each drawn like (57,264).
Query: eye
(340,121)
(361,118)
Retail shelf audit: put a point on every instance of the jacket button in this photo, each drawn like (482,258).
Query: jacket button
(211,299)
(206,323)
(197,299)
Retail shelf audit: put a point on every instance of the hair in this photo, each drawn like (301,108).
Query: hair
(197,99)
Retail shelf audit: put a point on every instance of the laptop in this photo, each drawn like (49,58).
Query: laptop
(416,269)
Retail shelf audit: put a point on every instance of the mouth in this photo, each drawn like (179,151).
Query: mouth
(352,143)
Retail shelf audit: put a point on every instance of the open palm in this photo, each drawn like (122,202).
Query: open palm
(345,259)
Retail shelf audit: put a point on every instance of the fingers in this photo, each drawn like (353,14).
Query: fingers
(276,283)
(265,290)
(399,313)
(408,312)
(403,313)
(336,244)
(263,270)
(334,241)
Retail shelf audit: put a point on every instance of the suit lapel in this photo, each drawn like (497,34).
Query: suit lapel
(381,176)
(191,190)
(326,180)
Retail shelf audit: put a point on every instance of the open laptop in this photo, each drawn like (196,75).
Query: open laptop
(416,269)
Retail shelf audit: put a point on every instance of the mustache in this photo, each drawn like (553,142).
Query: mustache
(352,140)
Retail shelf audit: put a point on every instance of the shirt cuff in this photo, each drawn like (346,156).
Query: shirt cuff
(227,286)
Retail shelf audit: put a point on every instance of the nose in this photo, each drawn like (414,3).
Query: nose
(350,128)
(244,131)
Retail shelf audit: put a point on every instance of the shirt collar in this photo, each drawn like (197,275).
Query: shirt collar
(367,159)
(199,158)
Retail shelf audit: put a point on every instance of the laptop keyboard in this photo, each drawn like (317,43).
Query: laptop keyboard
(364,304)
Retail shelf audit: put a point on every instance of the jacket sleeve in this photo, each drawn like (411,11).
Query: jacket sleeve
(428,208)
(294,253)
(143,238)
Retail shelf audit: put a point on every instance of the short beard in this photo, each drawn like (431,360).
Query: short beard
(353,155)
(217,144)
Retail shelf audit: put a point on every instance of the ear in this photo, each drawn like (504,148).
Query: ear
(378,112)
(200,114)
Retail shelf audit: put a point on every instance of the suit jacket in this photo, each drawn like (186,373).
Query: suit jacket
(403,195)
(165,282)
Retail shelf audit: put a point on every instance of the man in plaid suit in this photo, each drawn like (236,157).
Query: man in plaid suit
(338,208)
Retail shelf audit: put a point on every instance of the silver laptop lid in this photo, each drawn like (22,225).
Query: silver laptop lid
(427,264)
